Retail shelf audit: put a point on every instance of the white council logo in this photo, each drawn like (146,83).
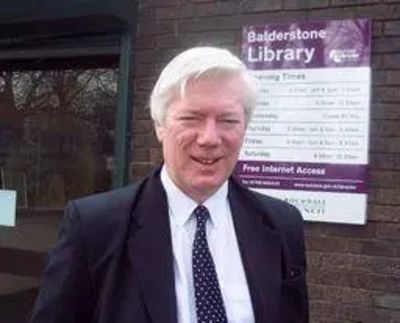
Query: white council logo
(344,55)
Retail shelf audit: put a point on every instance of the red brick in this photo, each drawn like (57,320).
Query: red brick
(140,170)
(382,45)
(386,94)
(144,84)
(200,1)
(393,77)
(386,111)
(144,141)
(220,38)
(376,61)
(175,13)
(377,28)
(379,248)
(352,2)
(327,277)
(384,213)
(342,295)
(389,145)
(374,282)
(330,13)
(209,24)
(323,312)
(314,259)
(386,77)
(139,155)
(301,4)
(273,17)
(198,10)
(142,98)
(385,161)
(385,179)
(390,11)
(373,12)
(379,77)
(155,56)
(328,312)
(358,263)
(144,42)
(156,28)
(142,111)
(392,28)
(389,231)
(337,261)
(327,319)
(148,71)
(385,128)
(341,230)
(391,61)
(140,127)
(363,314)
(332,244)
(388,196)
(376,265)
(329,244)
(146,15)
(156,155)
(158,3)
(262,6)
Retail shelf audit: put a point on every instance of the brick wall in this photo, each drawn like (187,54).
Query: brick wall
(354,271)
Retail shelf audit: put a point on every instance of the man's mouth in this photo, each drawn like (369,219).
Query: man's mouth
(206,161)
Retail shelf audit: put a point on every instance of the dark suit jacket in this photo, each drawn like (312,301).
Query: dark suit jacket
(113,262)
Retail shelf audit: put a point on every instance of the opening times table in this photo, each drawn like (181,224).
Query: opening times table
(310,115)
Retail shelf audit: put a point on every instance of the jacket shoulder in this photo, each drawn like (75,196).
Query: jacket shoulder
(106,207)
(103,219)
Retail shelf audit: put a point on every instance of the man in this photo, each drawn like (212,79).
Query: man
(188,244)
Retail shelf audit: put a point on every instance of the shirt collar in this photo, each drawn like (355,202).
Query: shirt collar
(182,206)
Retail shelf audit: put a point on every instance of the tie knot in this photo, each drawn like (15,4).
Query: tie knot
(202,214)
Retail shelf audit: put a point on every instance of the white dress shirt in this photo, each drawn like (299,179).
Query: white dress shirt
(223,246)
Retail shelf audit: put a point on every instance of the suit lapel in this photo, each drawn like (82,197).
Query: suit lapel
(150,253)
(260,248)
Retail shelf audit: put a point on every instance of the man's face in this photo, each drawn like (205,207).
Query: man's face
(203,133)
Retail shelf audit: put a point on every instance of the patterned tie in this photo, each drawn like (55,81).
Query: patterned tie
(209,304)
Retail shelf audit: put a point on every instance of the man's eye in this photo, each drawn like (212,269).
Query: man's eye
(230,121)
(188,118)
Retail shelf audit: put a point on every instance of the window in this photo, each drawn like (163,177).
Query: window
(56,144)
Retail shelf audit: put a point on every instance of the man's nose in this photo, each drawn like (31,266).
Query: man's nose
(209,134)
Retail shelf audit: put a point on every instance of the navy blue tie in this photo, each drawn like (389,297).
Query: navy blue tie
(209,303)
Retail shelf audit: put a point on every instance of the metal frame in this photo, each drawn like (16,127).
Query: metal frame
(123,122)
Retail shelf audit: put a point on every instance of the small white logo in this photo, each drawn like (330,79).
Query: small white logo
(309,206)
(343,55)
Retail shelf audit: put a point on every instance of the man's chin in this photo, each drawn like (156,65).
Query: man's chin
(207,188)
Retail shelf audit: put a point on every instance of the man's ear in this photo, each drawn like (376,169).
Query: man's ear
(160,131)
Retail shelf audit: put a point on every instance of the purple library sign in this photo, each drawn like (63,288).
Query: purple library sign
(343,43)
(309,136)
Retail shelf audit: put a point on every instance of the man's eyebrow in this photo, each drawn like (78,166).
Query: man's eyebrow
(230,114)
(191,111)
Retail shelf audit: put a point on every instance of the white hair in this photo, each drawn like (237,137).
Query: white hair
(195,63)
